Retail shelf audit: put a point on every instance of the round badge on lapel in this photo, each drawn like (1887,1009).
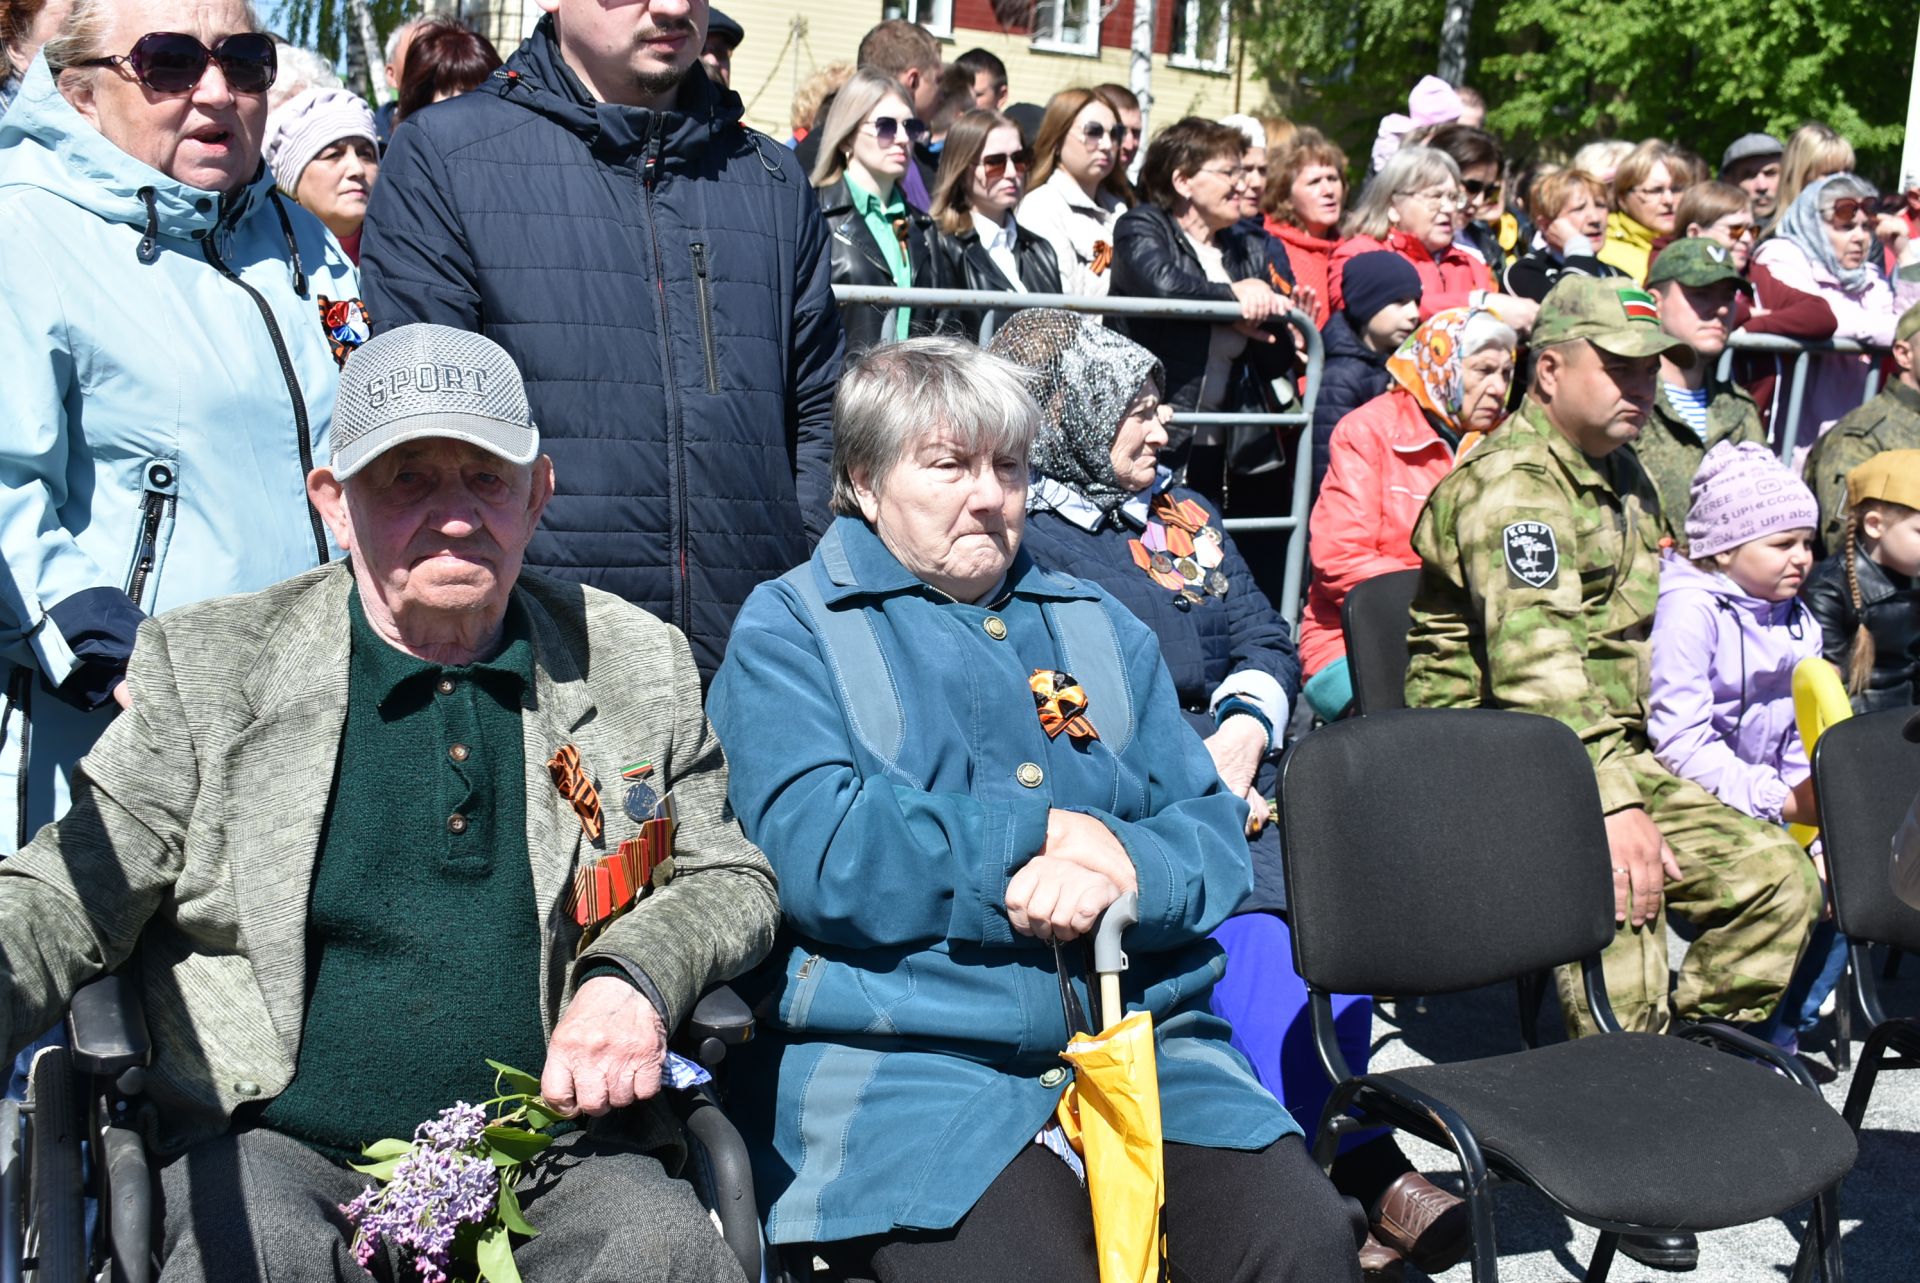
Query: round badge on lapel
(640,802)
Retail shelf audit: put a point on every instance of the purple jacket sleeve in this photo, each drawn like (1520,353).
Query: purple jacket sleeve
(1680,715)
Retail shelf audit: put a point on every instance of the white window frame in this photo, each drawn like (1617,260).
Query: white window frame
(1048,24)
(935,15)
(1192,59)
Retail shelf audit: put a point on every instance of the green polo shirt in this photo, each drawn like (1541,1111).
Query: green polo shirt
(423,944)
(880,220)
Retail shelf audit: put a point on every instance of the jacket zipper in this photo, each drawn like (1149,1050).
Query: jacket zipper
(153,505)
(302,432)
(706,315)
(676,440)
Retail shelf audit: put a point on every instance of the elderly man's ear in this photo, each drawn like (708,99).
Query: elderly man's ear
(328,494)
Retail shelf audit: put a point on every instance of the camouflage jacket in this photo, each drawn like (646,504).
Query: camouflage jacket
(1670,451)
(1891,421)
(1539,574)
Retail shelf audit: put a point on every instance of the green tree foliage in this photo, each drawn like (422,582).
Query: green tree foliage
(327,27)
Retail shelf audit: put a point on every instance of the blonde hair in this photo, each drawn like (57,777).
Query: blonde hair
(1637,166)
(1813,151)
(1601,158)
(1553,191)
(1860,656)
(814,90)
(864,90)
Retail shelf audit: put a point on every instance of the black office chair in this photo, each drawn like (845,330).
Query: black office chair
(1374,619)
(1865,773)
(90,1090)
(1491,868)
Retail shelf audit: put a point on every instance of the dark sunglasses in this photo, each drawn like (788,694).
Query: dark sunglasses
(1477,189)
(886,129)
(995,163)
(171,62)
(1093,131)
(1846,209)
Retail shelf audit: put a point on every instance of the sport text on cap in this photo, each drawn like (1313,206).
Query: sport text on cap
(425,381)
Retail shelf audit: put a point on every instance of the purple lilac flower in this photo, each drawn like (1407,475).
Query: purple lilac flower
(445,1181)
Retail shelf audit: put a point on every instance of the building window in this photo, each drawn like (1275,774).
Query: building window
(1200,35)
(935,15)
(1067,26)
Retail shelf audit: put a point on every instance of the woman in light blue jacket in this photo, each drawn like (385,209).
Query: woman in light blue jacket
(166,369)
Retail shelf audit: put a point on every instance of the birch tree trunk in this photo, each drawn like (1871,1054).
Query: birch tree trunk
(1453,41)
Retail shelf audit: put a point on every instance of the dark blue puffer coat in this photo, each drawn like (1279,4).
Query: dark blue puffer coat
(1351,374)
(662,280)
(1202,644)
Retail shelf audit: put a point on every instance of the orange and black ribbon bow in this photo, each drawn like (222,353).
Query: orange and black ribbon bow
(575,785)
(1102,258)
(1062,704)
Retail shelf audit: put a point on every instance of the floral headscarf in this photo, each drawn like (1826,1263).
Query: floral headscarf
(1431,365)
(1803,226)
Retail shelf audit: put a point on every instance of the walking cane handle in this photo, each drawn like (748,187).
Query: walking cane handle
(1108,957)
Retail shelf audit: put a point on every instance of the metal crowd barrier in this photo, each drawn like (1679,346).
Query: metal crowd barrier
(995,304)
(1783,423)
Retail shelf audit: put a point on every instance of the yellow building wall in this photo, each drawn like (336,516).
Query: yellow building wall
(785,42)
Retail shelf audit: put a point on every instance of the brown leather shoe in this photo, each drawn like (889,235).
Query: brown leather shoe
(1380,1263)
(1423,1223)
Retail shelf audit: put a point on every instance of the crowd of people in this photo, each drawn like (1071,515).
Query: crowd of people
(402,508)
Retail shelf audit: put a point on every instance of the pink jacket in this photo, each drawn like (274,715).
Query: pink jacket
(1837,382)
(1383,462)
(1444,282)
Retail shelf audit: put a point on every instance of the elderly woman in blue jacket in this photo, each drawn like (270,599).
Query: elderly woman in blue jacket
(167,359)
(956,760)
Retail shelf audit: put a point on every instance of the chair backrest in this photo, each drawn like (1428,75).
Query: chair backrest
(1436,850)
(1866,774)
(1375,618)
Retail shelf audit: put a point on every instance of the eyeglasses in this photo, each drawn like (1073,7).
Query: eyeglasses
(1477,190)
(994,164)
(1743,232)
(886,129)
(171,62)
(1441,198)
(1655,193)
(1237,174)
(1093,131)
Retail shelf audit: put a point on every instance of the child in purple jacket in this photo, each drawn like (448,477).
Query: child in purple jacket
(1727,634)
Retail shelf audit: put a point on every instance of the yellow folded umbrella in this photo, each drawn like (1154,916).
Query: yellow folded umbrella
(1819,700)
(1111,1115)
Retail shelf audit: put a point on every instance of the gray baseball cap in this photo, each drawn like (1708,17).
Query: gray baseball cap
(422,381)
(1747,146)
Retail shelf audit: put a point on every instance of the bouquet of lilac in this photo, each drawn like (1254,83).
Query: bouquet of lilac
(445,1199)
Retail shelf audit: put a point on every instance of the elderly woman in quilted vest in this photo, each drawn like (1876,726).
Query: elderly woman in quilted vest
(956,760)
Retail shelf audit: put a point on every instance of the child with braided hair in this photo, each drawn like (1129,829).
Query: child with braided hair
(1867,596)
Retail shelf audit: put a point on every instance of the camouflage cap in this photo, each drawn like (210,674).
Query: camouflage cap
(1610,312)
(1908,325)
(1696,262)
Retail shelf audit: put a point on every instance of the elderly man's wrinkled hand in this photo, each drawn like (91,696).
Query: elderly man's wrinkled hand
(1090,844)
(1056,899)
(607,1050)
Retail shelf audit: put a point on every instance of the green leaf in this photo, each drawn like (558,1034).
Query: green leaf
(540,1117)
(516,1143)
(516,1079)
(494,1255)
(380,1171)
(510,1212)
(388,1148)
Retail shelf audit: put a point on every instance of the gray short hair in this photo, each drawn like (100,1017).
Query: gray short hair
(1410,169)
(1842,186)
(892,395)
(1484,330)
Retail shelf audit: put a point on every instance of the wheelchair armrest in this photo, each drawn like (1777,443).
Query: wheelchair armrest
(720,1020)
(107,1028)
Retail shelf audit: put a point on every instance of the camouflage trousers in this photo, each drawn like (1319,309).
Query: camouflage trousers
(1747,889)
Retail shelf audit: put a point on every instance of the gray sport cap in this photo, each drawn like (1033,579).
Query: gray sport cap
(423,381)
(1747,146)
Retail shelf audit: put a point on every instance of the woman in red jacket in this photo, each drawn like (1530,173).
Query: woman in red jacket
(1414,207)
(1450,388)
(1305,197)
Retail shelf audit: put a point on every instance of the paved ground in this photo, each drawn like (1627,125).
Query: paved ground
(1880,1205)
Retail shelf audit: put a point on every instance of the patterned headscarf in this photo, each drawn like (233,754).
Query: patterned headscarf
(1085,378)
(1431,365)
(1803,225)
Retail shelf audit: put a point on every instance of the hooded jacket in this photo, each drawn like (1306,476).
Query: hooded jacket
(1351,374)
(662,281)
(166,382)
(1722,706)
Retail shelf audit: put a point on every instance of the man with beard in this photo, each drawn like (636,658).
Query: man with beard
(659,273)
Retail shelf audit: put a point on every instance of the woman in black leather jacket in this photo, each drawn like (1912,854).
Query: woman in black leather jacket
(983,172)
(877,238)
(1180,242)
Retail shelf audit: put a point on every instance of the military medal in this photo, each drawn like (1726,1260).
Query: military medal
(1208,548)
(639,803)
(637,770)
(1217,583)
(1162,563)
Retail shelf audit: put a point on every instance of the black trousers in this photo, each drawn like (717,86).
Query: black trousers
(1231,1217)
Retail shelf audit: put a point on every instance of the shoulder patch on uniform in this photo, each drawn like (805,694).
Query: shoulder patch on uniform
(1533,555)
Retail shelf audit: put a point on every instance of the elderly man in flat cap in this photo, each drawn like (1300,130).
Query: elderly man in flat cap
(339,828)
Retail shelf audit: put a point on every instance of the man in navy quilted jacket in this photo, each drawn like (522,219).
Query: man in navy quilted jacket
(659,272)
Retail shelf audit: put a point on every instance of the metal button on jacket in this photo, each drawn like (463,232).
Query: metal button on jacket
(445,687)
(1053,1077)
(456,823)
(459,752)
(1029,774)
(996,627)
(246,1087)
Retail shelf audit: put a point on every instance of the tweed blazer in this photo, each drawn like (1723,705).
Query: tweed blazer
(189,851)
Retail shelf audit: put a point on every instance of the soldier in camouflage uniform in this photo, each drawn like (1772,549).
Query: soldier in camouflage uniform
(1540,572)
(1891,421)
(1696,285)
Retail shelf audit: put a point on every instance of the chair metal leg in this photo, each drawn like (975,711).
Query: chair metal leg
(1843,1021)
(1810,1249)
(1486,1252)
(1833,1269)
(1602,1262)
(1872,1051)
